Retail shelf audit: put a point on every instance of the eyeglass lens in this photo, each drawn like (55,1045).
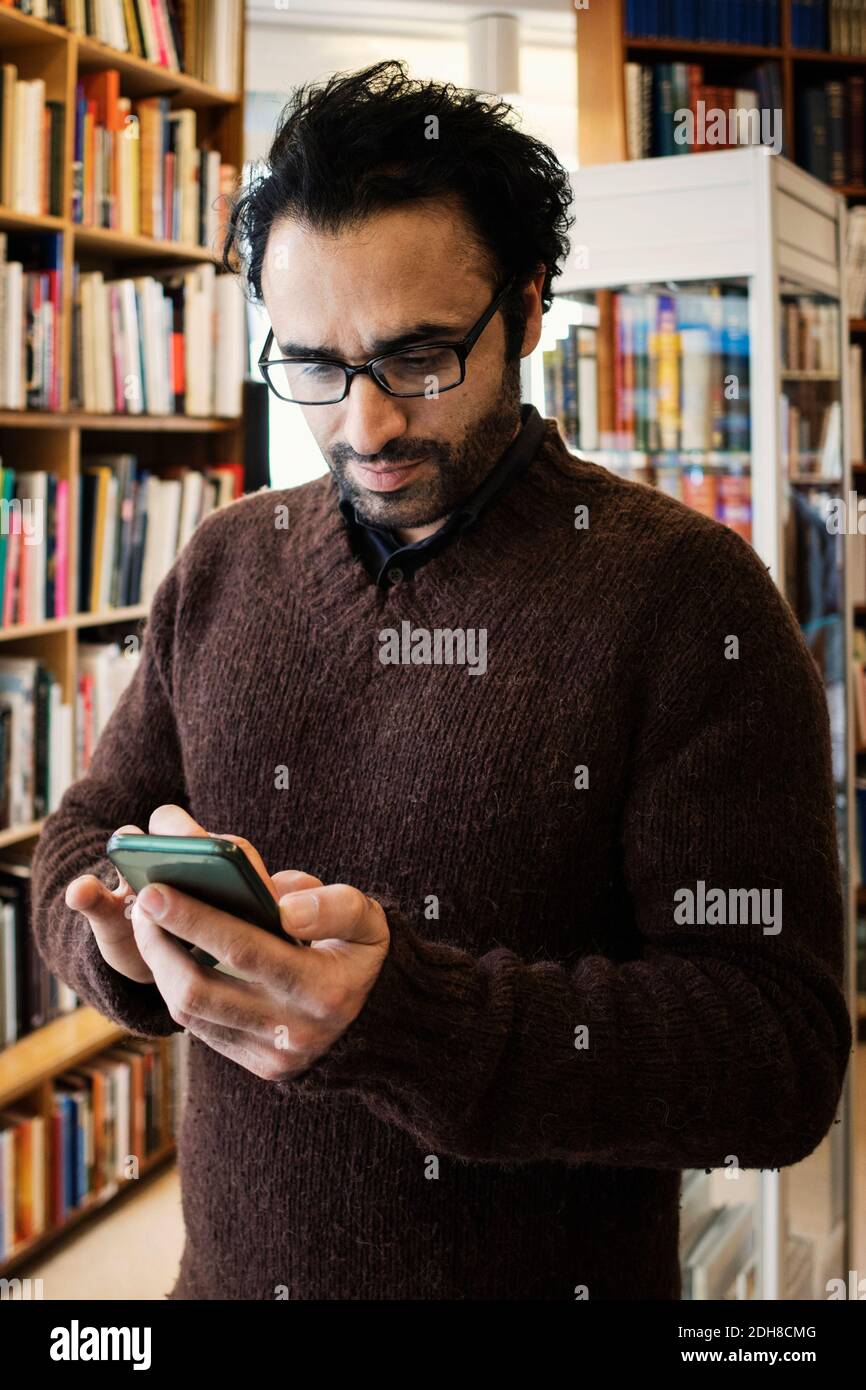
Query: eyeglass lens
(414,372)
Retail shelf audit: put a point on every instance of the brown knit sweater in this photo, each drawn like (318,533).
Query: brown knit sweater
(509,1114)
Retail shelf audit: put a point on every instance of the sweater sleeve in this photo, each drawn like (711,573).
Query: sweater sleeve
(136,766)
(715,1039)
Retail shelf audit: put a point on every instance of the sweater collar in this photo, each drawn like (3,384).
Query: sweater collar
(344,602)
(381,551)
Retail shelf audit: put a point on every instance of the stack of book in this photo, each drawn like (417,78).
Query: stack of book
(105,669)
(31,145)
(35,741)
(158,345)
(855,262)
(810,411)
(837,24)
(731,21)
(810,336)
(198,37)
(108,1116)
(681,371)
(136,167)
(809,22)
(670,109)
(830,139)
(855,414)
(133,523)
(30,995)
(571,386)
(682,398)
(30,306)
(34,540)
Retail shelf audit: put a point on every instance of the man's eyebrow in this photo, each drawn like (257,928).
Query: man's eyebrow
(422,332)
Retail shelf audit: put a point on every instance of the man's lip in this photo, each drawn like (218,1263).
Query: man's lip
(387,479)
(392,468)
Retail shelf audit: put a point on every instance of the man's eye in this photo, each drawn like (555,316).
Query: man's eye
(425,359)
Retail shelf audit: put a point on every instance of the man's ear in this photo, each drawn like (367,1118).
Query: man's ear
(533,310)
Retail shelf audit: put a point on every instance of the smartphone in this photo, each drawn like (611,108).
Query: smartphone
(215,871)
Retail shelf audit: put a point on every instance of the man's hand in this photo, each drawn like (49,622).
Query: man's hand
(293,1003)
(109,910)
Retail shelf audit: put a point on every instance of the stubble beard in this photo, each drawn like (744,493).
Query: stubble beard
(460,466)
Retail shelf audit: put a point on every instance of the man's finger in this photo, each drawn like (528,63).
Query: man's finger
(193,991)
(173,820)
(334,912)
(255,1057)
(254,857)
(293,881)
(104,908)
(122,888)
(256,954)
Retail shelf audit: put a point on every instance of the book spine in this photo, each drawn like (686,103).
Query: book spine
(62,561)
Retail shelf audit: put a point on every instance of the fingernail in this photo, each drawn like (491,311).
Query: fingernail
(300,908)
(152,901)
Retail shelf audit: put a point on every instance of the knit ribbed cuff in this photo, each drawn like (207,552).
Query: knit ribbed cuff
(394,1038)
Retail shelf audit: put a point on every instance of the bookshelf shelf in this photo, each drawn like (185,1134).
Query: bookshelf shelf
(74,620)
(819,55)
(13,220)
(105,239)
(169,424)
(122,245)
(60,1044)
(13,834)
(698,46)
(22,29)
(141,78)
(809,376)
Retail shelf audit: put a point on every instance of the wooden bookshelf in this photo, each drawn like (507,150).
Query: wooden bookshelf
(60,441)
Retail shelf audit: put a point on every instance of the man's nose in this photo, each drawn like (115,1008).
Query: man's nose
(372,417)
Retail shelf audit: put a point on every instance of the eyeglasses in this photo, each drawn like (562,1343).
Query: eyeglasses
(425,370)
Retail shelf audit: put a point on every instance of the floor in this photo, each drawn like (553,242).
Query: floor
(134,1250)
(131,1252)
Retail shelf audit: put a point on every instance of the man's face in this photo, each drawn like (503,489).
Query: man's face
(405,462)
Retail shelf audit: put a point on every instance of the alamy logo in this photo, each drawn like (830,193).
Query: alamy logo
(76,1343)
(740,125)
(23,516)
(729,907)
(438,646)
(20,1289)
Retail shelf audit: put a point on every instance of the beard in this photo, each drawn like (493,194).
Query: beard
(460,465)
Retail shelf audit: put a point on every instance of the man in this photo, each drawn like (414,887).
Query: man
(502,723)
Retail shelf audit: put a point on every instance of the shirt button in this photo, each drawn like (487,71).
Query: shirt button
(395,575)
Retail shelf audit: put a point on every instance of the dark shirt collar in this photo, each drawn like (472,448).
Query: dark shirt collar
(389,560)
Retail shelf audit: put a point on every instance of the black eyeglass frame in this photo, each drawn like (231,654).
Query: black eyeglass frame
(462,348)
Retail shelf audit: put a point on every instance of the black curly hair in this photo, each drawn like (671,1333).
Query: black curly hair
(360,142)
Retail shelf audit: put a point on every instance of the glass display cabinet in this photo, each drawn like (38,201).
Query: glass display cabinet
(696,344)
